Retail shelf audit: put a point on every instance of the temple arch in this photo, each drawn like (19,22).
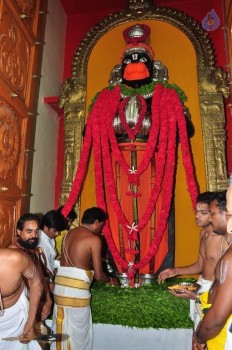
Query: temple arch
(210,80)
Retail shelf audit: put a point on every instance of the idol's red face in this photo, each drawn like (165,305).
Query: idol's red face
(137,67)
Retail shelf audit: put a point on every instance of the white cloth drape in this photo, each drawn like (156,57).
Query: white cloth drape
(12,323)
(48,247)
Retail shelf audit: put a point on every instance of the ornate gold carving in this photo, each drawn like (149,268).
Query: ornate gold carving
(72,98)
(68,166)
(219,141)
(214,81)
(10,141)
(14,56)
(214,136)
(139,7)
(141,10)
(211,108)
(212,87)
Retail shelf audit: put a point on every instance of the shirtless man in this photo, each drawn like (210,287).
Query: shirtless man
(71,217)
(212,246)
(213,327)
(81,253)
(27,230)
(15,318)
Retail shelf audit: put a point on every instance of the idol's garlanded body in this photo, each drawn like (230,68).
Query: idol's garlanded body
(17,315)
(135,155)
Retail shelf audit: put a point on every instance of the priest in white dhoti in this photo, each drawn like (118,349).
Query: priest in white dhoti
(12,323)
(72,312)
(81,252)
(17,313)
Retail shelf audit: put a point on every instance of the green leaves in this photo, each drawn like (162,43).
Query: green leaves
(149,306)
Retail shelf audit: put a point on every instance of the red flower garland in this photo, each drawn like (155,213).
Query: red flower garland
(185,148)
(164,100)
(151,142)
(166,202)
(141,168)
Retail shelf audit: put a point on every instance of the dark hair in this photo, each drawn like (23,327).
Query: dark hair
(205,197)
(92,214)
(24,218)
(53,219)
(72,215)
(220,197)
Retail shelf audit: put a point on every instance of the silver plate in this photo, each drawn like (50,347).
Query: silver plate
(182,286)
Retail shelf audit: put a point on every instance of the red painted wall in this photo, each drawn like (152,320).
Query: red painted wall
(79,25)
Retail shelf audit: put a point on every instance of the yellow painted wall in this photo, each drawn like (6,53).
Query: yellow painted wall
(176,52)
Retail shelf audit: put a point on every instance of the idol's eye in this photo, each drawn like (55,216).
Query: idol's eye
(143,59)
(127,61)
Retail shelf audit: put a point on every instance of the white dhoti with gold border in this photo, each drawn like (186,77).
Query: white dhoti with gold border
(72,314)
(12,323)
(195,310)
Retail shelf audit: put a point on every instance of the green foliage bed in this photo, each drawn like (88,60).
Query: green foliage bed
(150,306)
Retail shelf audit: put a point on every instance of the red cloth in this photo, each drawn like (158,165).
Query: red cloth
(129,208)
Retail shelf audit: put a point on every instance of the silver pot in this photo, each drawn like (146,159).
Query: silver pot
(123,279)
(146,278)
